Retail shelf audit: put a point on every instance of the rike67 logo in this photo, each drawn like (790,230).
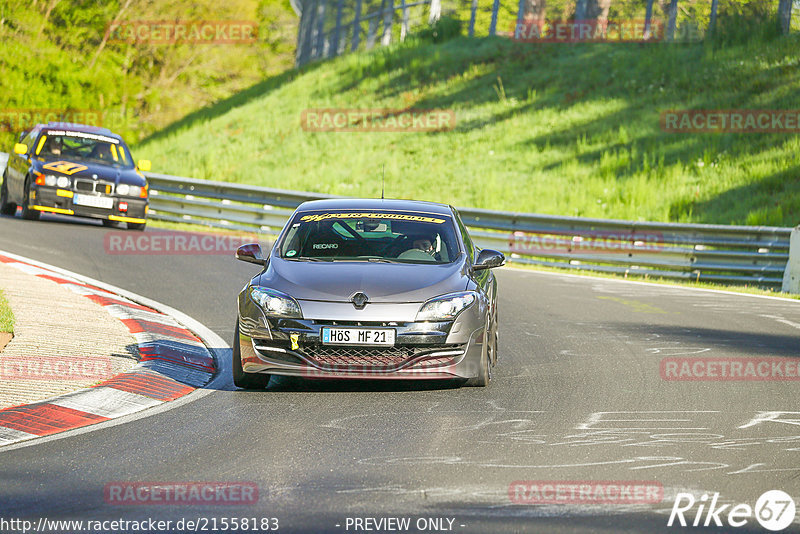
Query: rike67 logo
(774,510)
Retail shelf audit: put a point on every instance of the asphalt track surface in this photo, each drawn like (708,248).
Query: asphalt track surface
(577,396)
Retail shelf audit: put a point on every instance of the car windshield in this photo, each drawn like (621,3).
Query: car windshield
(82,146)
(378,236)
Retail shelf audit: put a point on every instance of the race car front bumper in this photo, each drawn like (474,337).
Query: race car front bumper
(422,351)
(55,200)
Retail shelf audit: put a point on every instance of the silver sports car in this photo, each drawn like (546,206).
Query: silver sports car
(369,288)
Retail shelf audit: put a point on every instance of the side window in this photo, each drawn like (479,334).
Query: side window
(468,246)
(29,139)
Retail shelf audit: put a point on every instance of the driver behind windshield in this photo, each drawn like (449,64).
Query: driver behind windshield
(424,244)
(101,151)
(421,243)
(54,146)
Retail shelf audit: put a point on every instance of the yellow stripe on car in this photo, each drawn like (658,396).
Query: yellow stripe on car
(52,210)
(41,144)
(125,219)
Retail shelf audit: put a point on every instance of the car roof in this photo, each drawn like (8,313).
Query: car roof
(74,127)
(375,204)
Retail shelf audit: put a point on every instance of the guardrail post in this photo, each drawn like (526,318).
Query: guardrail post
(791,276)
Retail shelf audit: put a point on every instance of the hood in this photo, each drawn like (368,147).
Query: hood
(110,173)
(381,282)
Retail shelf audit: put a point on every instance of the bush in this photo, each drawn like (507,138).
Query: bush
(444,29)
(750,22)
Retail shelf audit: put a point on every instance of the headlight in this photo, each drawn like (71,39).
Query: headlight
(274,303)
(62,181)
(129,190)
(445,307)
(50,180)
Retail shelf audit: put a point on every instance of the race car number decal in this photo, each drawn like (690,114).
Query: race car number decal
(65,167)
(367,215)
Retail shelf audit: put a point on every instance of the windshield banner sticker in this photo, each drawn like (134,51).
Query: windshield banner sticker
(368,215)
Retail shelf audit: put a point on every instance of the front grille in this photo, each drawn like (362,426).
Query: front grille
(89,186)
(377,359)
(375,324)
(344,357)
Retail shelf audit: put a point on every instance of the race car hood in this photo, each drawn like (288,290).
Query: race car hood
(381,282)
(77,168)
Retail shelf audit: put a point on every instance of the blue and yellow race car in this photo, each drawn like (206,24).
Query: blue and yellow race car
(74,169)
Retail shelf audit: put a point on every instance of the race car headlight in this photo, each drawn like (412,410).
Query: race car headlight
(446,307)
(50,180)
(275,304)
(61,182)
(129,190)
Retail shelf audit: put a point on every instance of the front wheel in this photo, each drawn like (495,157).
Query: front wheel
(240,378)
(28,213)
(485,370)
(6,207)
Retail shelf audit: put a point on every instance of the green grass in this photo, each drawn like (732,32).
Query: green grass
(6,315)
(53,57)
(558,129)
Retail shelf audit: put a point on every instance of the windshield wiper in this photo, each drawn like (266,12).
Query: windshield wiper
(383,260)
(305,258)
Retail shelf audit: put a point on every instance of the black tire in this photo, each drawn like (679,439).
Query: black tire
(27,213)
(485,370)
(6,207)
(240,378)
(136,226)
(496,338)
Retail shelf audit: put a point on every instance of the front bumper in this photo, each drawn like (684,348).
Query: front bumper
(54,200)
(421,351)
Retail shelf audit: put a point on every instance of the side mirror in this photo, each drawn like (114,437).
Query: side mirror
(489,259)
(144,165)
(251,253)
(20,148)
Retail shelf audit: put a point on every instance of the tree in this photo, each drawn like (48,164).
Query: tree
(592,9)
(785,15)
(535,9)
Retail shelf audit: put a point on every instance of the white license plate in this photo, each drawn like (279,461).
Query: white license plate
(93,201)
(381,337)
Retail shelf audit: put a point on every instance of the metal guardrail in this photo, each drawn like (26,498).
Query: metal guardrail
(754,255)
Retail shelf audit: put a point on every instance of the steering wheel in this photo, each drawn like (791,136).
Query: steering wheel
(394,246)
